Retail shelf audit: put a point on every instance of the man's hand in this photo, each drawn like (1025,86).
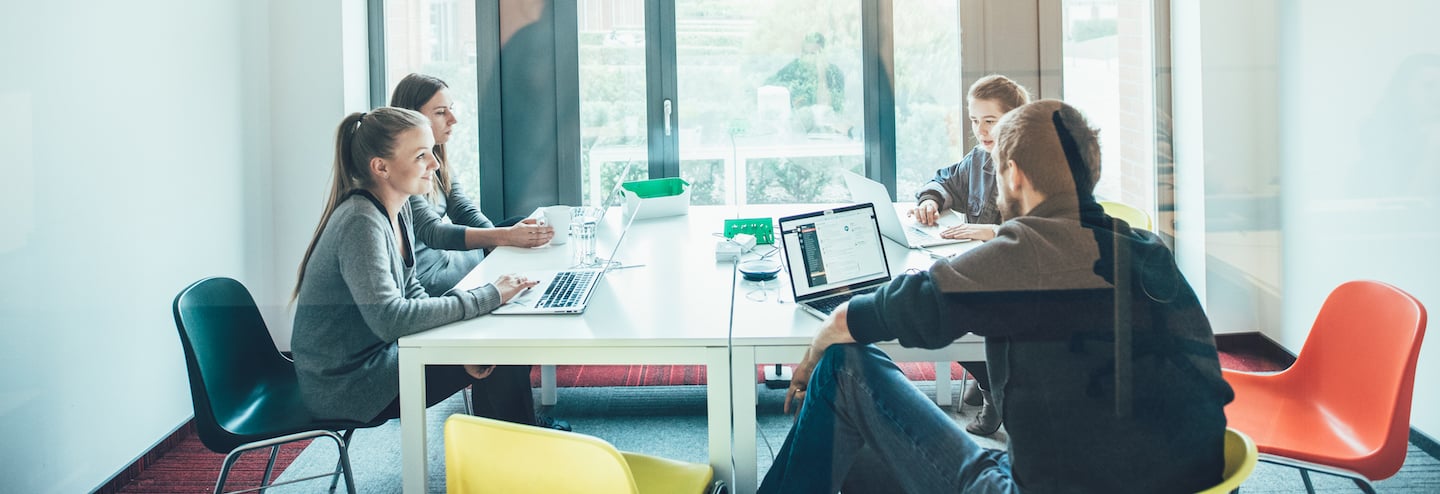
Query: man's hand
(927,212)
(835,330)
(970,231)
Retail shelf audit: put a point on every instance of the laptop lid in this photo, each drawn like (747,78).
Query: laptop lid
(833,251)
(907,232)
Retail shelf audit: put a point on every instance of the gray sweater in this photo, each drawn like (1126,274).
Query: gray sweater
(1042,295)
(358,297)
(441,257)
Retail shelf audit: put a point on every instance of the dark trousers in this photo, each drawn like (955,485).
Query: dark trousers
(980,371)
(504,395)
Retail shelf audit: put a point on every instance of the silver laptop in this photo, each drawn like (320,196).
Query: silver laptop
(833,255)
(906,231)
(565,291)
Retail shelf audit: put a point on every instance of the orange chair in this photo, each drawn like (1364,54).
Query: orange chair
(1343,408)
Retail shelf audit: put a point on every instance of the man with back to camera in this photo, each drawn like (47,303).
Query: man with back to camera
(1043,295)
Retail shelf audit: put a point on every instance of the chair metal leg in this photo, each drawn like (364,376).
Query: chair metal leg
(1364,485)
(1306,467)
(269,468)
(225,470)
(340,463)
(345,467)
(274,443)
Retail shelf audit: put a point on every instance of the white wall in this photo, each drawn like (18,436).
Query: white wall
(129,139)
(143,147)
(1360,157)
(1319,160)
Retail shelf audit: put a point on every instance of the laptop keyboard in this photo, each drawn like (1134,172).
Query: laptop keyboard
(922,233)
(566,289)
(828,304)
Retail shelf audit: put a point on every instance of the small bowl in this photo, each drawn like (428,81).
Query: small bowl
(760,269)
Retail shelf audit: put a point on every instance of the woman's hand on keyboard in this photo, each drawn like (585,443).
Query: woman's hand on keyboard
(510,285)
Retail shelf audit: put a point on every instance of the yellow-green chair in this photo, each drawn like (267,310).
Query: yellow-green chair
(1131,214)
(1240,458)
(489,456)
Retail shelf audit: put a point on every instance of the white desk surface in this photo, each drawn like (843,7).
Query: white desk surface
(674,309)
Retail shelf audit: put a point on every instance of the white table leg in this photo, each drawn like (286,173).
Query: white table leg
(547,385)
(718,411)
(412,421)
(942,383)
(742,368)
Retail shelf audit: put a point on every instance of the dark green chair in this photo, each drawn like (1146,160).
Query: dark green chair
(245,393)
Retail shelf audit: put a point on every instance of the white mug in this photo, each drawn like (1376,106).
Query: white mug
(558,217)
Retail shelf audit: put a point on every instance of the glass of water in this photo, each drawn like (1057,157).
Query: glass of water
(584,227)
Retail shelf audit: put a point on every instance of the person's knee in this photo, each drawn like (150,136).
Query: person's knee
(850,359)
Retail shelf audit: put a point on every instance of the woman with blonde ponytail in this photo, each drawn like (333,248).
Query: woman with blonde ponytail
(356,292)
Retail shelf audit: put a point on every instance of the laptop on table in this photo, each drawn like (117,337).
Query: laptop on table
(833,255)
(564,291)
(906,231)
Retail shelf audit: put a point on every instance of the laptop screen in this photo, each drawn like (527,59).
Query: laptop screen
(831,250)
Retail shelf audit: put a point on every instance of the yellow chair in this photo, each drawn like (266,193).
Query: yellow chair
(1131,214)
(489,456)
(1240,458)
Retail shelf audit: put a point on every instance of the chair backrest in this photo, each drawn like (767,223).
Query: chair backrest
(1131,214)
(1240,459)
(228,354)
(489,456)
(1358,364)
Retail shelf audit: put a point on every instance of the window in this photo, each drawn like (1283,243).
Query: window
(1109,70)
(771,99)
(613,129)
(930,130)
(437,37)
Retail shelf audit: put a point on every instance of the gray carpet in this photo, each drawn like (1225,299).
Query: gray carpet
(669,421)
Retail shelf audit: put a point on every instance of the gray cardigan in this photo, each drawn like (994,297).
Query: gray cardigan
(441,257)
(358,297)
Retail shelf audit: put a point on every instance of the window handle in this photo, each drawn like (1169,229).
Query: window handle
(668,110)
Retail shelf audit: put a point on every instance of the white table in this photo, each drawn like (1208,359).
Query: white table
(675,309)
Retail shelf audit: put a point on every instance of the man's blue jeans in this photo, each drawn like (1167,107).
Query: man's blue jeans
(859,403)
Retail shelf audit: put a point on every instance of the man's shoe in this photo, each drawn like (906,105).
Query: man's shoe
(972,394)
(549,422)
(988,421)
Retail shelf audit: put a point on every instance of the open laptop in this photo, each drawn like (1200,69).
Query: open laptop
(832,255)
(906,231)
(565,291)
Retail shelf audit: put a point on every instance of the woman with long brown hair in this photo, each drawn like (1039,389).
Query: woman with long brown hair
(451,234)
